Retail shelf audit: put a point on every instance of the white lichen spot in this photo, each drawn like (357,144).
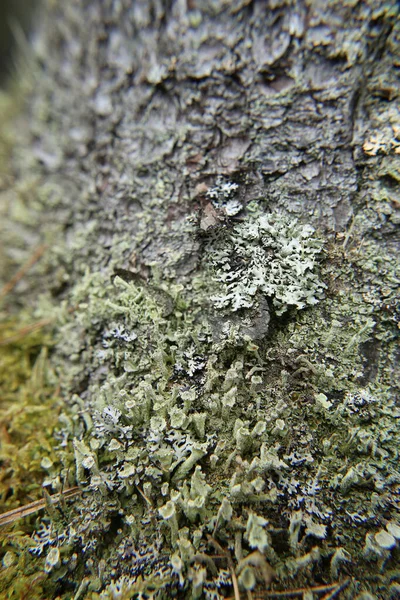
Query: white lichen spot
(385,540)
(267,255)
(52,560)
(46,463)
(323,401)
(127,471)
(255,533)
(393,529)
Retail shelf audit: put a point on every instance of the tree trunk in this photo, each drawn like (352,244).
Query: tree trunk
(217,183)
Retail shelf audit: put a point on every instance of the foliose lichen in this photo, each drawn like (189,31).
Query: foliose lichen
(267,255)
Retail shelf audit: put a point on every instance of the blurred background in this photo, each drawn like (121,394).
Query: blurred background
(15,21)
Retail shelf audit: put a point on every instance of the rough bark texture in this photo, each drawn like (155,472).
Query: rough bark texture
(224,422)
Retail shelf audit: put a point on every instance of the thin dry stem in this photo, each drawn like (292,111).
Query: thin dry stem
(23,511)
(334,593)
(228,557)
(331,591)
(25,331)
(22,271)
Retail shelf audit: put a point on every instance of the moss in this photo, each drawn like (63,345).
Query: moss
(29,411)
(30,403)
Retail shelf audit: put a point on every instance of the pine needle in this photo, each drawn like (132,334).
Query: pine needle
(22,271)
(28,509)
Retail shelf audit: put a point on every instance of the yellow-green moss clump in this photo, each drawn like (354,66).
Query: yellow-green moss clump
(29,399)
(28,412)
(29,409)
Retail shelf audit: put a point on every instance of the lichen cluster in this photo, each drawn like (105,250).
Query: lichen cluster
(187,445)
(267,255)
(180,439)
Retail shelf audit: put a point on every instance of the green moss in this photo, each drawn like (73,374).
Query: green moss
(28,413)
(29,408)
(29,393)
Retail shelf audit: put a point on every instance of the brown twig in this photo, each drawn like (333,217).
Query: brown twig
(23,511)
(339,588)
(330,590)
(228,557)
(22,271)
(234,582)
(25,331)
(145,498)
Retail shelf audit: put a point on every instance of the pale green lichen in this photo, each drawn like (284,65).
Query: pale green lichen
(267,255)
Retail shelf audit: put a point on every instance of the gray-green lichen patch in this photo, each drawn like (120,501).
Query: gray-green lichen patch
(266,255)
(286,447)
(179,437)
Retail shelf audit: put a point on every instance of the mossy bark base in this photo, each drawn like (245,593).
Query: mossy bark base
(249,443)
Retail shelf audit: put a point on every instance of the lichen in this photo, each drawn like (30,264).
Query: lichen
(175,450)
(266,255)
(252,436)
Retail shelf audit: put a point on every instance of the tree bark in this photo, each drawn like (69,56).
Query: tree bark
(222,448)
